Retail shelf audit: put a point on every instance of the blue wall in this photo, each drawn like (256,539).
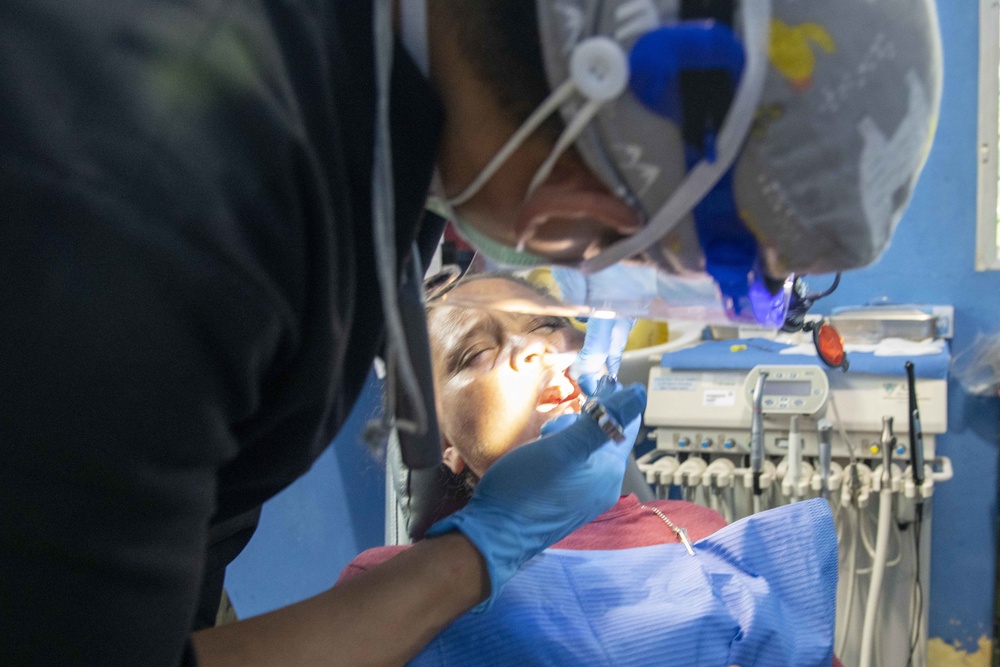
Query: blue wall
(932,260)
(312,529)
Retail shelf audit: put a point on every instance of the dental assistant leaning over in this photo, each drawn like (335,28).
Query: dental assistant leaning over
(191,285)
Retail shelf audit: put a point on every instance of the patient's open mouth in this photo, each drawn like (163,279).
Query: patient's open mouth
(562,391)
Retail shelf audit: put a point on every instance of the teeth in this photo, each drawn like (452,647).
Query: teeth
(560,392)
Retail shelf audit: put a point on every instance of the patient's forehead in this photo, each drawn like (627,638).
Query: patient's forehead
(486,289)
(449,324)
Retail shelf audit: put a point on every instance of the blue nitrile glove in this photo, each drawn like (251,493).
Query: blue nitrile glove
(619,289)
(602,351)
(537,494)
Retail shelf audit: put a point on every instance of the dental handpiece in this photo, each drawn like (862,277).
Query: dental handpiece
(794,456)
(757,432)
(825,450)
(888,443)
(595,409)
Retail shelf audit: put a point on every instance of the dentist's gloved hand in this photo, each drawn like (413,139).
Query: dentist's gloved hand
(619,288)
(602,351)
(537,494)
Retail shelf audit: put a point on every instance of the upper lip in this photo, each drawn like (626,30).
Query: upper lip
(560,388)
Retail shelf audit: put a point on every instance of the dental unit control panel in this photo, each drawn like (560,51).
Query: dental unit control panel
(710,410)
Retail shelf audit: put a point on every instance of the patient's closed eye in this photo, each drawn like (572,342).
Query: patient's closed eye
(544,325)
(476,355)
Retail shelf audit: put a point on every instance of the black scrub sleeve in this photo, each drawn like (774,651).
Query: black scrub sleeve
(137,324)
(126,352)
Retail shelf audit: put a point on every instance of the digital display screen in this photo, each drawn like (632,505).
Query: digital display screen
(787,387)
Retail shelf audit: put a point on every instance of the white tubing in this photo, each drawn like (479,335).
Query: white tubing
(878,571)
(852,564)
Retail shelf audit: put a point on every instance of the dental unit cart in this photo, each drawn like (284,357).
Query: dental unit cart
(818,432)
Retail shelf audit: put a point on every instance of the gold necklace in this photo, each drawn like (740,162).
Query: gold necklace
(679,531)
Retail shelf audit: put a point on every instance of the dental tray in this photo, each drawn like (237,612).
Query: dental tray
(870,324)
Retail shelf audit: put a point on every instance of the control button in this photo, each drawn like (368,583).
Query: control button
(792,376)
(768,401)
(778,376)
(900,450)
(798,402)
(705,444)
(874,449)
(683,442)
(729,444)
(817,392)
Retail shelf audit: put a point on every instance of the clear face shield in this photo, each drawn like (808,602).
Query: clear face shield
(757,142)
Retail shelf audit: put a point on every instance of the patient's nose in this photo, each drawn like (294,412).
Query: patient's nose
(533,351)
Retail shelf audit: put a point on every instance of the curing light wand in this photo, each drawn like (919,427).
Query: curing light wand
(916,434)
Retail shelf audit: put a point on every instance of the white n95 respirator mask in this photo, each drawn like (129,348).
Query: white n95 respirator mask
(755,139)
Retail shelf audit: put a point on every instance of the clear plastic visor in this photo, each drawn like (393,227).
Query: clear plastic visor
(622,290)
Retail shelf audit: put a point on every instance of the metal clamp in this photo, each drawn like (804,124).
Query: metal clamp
(596,411)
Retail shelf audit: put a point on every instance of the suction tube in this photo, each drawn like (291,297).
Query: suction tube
(881,543)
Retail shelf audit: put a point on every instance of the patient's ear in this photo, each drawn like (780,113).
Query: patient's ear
(452,459)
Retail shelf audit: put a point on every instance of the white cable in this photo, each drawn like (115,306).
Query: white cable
(383,229)
(730,505)
(552,103)
(841,429)
(573,130)
(756,19)
(866,538)
(878,571)
(852,565)
(599,72)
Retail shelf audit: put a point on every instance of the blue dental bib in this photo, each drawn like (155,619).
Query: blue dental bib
(760,592)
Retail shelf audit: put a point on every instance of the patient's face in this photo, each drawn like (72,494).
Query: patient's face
(499,376)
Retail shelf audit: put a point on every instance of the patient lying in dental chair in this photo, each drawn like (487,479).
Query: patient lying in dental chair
(498,377)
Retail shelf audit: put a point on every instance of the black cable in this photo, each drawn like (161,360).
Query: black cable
(917,589)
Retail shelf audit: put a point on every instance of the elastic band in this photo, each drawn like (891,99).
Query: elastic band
(534,121)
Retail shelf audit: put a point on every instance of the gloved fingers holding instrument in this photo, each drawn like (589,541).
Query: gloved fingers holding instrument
(535,495)
(606,337)
(602,351)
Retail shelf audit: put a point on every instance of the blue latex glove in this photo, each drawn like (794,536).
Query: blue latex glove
(539,493)
(602,351)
